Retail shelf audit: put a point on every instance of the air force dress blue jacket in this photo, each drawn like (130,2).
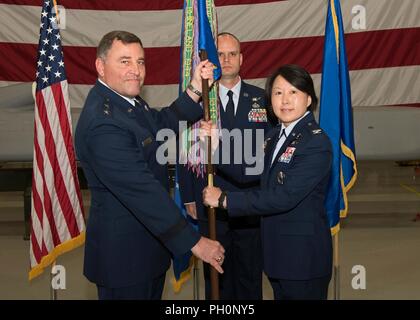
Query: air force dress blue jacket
(295,232)
(133,223)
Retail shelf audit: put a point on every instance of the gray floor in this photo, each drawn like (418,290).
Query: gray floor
(381,233)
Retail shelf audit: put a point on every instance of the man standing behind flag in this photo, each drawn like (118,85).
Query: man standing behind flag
(133,221)
(57,211)
(242,108)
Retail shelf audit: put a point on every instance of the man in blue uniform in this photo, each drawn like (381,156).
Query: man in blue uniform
(242,108)
(133,223)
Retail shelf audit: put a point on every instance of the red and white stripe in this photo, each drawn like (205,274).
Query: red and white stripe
(57,210)
(384,59)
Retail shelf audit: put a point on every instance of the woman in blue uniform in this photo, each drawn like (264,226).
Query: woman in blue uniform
(295,232)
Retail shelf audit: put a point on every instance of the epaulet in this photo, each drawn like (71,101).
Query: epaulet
(107,107)
(104,108)
(314,128)
(317,131)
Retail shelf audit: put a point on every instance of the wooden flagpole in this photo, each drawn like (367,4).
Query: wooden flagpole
(196,273)
(56,12)
(214,276)
(336,269)
(53,292)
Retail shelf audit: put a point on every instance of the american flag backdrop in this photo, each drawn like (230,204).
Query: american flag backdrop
(383,48)
(382,40)
(57,212)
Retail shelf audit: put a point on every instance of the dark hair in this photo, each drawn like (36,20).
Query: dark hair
(107,40)
(297,77)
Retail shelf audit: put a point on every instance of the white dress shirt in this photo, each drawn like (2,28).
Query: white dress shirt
(287,131)
(131,100)
(224,98)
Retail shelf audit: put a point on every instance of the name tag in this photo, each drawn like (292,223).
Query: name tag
(286,157)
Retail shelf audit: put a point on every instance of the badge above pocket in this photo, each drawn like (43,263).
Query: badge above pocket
(257,113)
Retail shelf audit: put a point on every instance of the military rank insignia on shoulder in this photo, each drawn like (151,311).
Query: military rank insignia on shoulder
(296,139)
(106,107)
(316,131)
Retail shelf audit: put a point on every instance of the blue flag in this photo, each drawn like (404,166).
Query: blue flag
(206,40)
(336,116)
(197,34)
(182,264)
(195,26)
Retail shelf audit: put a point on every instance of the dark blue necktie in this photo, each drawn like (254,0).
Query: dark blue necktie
(230,109)
(283,133)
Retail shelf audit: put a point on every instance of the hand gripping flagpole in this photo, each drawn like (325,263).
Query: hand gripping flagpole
(214,276)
